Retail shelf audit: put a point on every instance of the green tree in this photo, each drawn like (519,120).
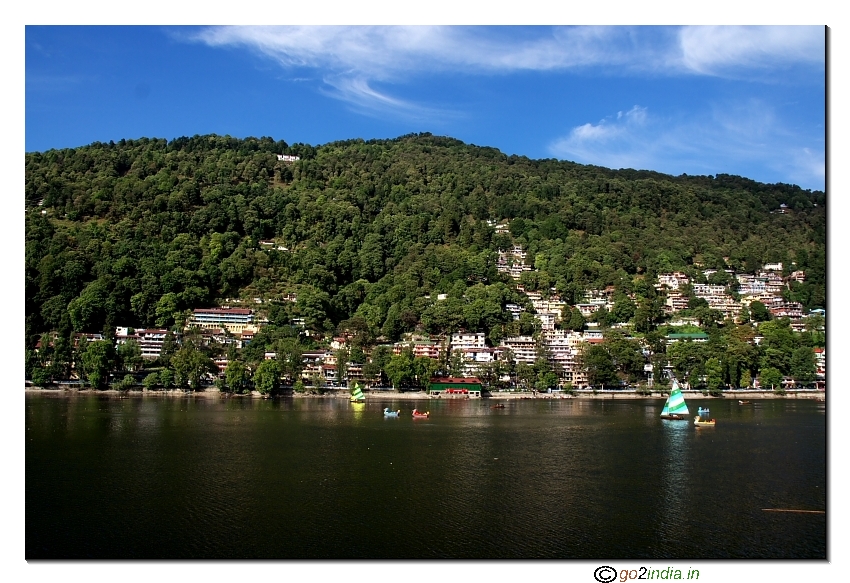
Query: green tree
(648,314)
(313,305)
(687,359)
(127,383)
(151,381)
(88,311)
(40,376)
(371,373)
(166,309)
(599,365)
(166,378)
(457,366)
(150,229)
(577,321)
(778,344)
(714,374)
(744,316)
(424,369)
(317,382)
(236,375)
(98,358)
(266,377)
(399,369)
(627,356)
(526,375)
(545,381)
(803,367)
(770,377)
(623,309)
(707,317)
(169,348)
(130,355)
(190,365)
(816,325)
(490,373)
(759,312)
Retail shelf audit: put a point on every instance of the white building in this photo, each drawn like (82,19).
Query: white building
(546,319)
(672,280)
(232,319)
(465,340)
(149,340)
(523,348)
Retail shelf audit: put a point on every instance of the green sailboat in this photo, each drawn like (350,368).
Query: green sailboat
(675,407)
(357,395)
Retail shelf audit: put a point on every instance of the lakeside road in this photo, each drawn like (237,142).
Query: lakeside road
(213,393)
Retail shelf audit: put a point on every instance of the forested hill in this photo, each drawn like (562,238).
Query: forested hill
(136,232)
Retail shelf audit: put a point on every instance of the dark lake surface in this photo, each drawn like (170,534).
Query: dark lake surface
(199,478)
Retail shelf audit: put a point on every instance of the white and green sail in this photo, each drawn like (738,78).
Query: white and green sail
(675,404)
(357,394)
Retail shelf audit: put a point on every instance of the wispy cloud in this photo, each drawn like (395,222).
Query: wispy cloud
(731,136)
(719,50)
(617,141)
(364,98)
(352,59)
(378,70)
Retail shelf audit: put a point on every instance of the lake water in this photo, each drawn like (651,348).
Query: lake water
(157,478)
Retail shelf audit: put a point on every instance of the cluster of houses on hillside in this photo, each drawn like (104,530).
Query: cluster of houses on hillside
(237,326)
(766,287)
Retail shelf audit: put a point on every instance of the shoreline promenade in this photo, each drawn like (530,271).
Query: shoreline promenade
(422,395)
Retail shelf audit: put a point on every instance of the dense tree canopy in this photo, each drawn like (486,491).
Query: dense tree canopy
(369,234)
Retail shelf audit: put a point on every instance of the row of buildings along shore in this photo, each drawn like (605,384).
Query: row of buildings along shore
(238,326)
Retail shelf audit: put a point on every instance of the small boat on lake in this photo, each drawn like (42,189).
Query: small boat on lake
(499,406)
(702,411)
(699,422)
(675,407)
(740,402)
(357,395)
(417,414)
(388,413)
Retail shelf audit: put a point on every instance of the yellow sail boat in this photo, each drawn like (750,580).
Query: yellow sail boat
(357,395)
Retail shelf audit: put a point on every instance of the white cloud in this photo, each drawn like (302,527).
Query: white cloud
(352,58)
(381,52)
(806,166)
(364,98)
(730,138)
(715,50)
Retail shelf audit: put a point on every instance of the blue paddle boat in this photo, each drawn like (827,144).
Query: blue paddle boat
(388,413)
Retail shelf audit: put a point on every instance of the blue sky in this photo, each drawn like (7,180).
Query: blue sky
(696,100)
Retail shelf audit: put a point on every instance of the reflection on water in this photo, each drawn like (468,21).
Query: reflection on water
(151,477)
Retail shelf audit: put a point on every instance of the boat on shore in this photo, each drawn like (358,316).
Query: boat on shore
(417,414)
(675,408)
(700,422)
(388,413)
